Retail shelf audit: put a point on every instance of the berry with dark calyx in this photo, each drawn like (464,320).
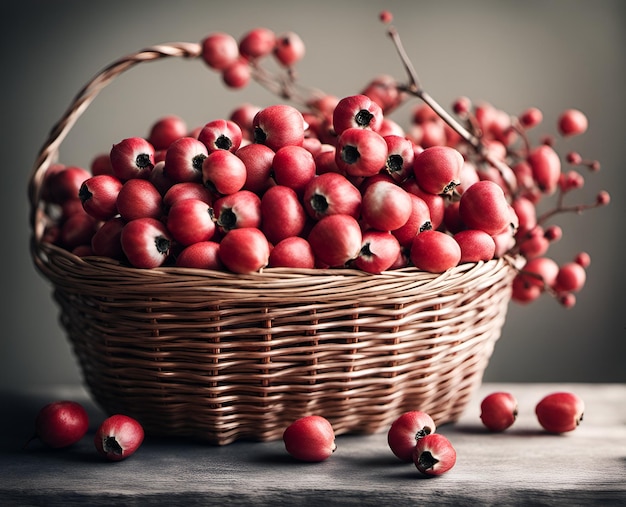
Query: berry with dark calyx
(434,454)
(329,194)
(406,430)
(378,253)
(360,152)
(98,196)
(132,158)
(289,49)
(184,159)
(437,169)
(279,125)
(240,209)
(146,242)
(357,111)
(400,155)
(221,135)
(118,437)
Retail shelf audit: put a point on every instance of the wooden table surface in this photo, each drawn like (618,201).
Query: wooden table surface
(523,466)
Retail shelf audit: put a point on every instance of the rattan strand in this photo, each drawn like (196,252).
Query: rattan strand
(221,357)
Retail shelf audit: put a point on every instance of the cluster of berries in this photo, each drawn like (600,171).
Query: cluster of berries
(330,182)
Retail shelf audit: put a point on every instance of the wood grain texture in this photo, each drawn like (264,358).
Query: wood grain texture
(523,466)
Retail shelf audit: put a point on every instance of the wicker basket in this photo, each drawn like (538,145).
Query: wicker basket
(220,357)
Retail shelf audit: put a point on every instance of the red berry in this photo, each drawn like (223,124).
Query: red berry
(406,430)
(434,454)
(498,411)
(118,437)
(257,43)
(572,122)
(289,49)
(219,50)
(132,158)
(560,412)
(310,438)
(435,251)
(61,423)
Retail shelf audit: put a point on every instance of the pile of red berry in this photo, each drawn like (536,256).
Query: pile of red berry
(327,182)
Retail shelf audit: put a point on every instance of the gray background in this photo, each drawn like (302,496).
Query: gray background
(549,54)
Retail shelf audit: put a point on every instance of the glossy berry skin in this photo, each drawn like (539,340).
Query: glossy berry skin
(360,152)
(434,454)
(560,412)
(165,131)
(201,255)
(329,194)
(386,206)
(476,245)
(219,50)
(336,239)
(221,135)
(310,438)
(132,158)
(118,437)
(435,251)
(357,111)
(406,430)
(244,250)
(379,251)
(282,214)
(183,160)
(498,411)
(292,252)
(190,221)
(223,172)
(98,195)
(279,125)
(484,206)
(146,242)
(138,198)
(437,169)
(61,423)
(241,209)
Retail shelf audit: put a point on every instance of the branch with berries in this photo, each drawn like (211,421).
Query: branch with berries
(276,186)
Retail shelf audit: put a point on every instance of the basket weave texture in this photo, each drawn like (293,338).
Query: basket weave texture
(221,357)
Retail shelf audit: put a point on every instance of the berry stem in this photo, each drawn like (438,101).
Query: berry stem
(415,88)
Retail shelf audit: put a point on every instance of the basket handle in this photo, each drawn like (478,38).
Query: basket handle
(50,149)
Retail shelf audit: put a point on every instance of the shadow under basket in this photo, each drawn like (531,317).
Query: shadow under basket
(220,357)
